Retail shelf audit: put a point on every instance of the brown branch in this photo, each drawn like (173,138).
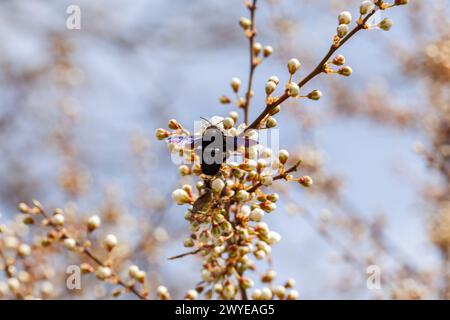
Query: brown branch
(248,95)
(317,70)
(97,260)
(186,254)
(278,177)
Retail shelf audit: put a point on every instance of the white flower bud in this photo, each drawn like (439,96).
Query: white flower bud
(270,87)
(217,185)
(70,243)
(13,284)
(342,30)
(245,211)
(266,294)
(293,65)
(260,254)
(266,179)
(267,51)
(184,170)
(103,273)
(293,89)
(180,196)
(274,79)
(133,271)
(271,122)
(110,241)
(365,7)
(257,47)
(273,237)
(228,123)
(345,17)
(58,219)
(292,295)
(283,156)
(280,292)
(346,71)
(257,214)
(161,291)
(234,115)
(235,84)
(24,250)
(245,23)
(93,223)
(315,95)
(242,195)
(191,295)
(256,295)
(386,24)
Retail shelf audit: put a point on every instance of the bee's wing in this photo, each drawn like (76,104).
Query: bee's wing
(185,141)
(233,143)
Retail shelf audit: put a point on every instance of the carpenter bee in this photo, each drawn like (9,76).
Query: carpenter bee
(213,146)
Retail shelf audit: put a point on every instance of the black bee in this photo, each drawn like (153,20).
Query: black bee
(214,146)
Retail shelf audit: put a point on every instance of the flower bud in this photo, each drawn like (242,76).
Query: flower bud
(93,223)
(257,47)
(217,185)
(345,71)
(386,24)
(280,292)
(283,156)
(247,283)
(260,254)
(180,196)
(235,84)
(257,214)
(70,243)
(173,124)
(191,295)
(293,65)
(161,134)
(401,2)
(273,237)
(268,50)
(23,207)
(245,23)
(234,115)
(274,79)
(293,89)
(270,87)
(228,123)
(292,295)
(339,60)
(342,30)
(271,122)
(266,179)
(110,241)
(365,7)
(58,219)
(242,195)
(256,295)
(224,99)
(345,17)
(24,250)
(306,181)
(103,273)
(266,294)
(315,95)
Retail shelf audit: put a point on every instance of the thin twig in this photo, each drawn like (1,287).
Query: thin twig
(317,70)
(278,177)
(186,254)
(97,260)
(253,65)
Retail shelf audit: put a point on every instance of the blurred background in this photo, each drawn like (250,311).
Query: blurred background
(78,111)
